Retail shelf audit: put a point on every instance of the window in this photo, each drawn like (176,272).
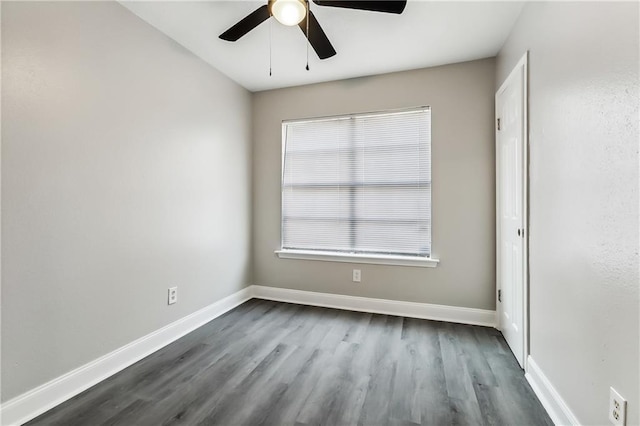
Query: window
(358,186)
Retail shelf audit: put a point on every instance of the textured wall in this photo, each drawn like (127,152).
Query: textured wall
(462,100)
(125,170)
(583,100)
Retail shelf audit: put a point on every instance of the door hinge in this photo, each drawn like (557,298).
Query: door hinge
(498,124)
(499,295)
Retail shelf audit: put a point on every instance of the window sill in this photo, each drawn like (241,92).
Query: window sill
(376,259)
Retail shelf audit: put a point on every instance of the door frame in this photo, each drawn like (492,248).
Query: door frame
(522,65)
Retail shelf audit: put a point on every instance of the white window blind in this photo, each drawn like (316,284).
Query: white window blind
(358,184)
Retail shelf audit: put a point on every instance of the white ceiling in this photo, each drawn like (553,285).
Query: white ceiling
(428,33)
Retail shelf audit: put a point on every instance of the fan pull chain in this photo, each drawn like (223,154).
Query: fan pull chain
(308,39)
(270,43)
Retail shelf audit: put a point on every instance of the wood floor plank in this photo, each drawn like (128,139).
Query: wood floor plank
(458,380)
(434,398)
(237,404)
(274,390)
(286,409)
(331,388)
(272,363)
(476,363)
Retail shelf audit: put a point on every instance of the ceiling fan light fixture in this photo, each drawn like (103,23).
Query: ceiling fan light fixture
(289,12)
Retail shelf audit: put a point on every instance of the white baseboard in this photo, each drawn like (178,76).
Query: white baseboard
(549,397)
(36,401)
(378,306)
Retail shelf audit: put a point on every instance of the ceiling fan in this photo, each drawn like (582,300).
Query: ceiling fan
(296,12)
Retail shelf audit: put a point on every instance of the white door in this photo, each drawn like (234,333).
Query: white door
(511,241)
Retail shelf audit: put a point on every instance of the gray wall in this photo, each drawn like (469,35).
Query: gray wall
(125,170)
(462,101)
(584,95)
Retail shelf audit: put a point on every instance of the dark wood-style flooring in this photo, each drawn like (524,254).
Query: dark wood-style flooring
(276,363)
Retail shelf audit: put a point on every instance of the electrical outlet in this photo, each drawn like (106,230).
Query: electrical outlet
(173,295)
(356,276)
(617,408)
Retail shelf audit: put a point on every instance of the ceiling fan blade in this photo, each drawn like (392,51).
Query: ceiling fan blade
(388,6)
(317,38)
(248,23)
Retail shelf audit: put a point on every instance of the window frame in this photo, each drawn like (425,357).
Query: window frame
(343,256)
